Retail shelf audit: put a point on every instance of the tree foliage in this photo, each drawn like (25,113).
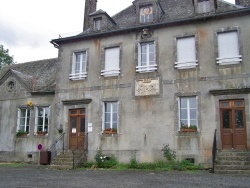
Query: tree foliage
(5,58)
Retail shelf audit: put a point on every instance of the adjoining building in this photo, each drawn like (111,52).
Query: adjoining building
(158,72)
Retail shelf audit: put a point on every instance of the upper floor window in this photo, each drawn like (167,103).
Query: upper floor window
(146,57)
(188,112)
(23,120)
(79,66)
(146,14)
(203,6)
(112,61)
(228,48)
(97,24)
(186,53)
(42,119)
(110,114)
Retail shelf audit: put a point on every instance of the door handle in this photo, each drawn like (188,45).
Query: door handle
(232,131)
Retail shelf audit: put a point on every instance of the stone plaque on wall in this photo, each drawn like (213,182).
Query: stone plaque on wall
(146,87)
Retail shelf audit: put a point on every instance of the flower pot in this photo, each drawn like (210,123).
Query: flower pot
(188,130)
(109,132)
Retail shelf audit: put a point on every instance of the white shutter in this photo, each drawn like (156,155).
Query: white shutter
(228,48)
(186,53)
(112,60)
(18,119)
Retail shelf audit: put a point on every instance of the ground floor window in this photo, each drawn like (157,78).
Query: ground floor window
(23,120)
(188,115)
(42,120)
(110,116)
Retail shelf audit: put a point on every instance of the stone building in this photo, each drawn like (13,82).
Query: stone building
(158,72)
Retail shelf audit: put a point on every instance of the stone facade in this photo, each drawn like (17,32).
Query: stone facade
(145,101)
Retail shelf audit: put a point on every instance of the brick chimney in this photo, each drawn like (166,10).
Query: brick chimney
(90,7)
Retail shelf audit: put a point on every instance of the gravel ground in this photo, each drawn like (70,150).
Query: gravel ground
(38,176)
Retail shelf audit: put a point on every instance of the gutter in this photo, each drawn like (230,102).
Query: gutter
(57,42)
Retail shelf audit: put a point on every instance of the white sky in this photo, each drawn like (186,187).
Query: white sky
(27,26)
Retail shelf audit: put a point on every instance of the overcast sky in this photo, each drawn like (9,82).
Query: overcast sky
(27,26)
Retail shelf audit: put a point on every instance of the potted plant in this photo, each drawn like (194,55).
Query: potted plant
(41,133)
(21,133)
(110,131)
(186,128)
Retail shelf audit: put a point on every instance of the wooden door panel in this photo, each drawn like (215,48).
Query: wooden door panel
(77,129)
(233,129)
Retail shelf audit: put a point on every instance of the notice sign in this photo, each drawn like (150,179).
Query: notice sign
(39,147)
(73,130)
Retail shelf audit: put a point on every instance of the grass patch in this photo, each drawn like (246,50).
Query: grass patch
(15,165)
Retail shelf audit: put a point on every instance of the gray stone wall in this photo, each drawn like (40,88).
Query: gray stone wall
(146,123)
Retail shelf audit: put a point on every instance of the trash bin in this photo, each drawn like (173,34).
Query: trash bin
(45,157)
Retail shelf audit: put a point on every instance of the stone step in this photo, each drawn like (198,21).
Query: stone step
(232,171)
(239,163)
(233,153)
(61,167)
(232,158)
(232,167)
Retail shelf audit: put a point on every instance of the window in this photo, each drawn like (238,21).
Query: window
(146,57)
(79,66)
(23,120)
(188,112)
(203,6)
(146,14)
(186,53)
(228,48)
(110,114)
(42,119)
(112,59)
(97,24)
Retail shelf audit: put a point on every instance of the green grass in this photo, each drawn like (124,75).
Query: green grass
(16,165)
(156,166)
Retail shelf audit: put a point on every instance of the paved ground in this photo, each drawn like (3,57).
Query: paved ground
(35,176)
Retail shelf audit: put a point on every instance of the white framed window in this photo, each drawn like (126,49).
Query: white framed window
(188,112)
(79,63)
(146,57)
(146,14)
(97,24)
(186,53)
(42,119)
(110,115)
(23,120)
(203,6)
(112,61)
(228,48)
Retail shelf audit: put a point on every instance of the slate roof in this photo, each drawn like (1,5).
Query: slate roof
(175,11)
(36,76)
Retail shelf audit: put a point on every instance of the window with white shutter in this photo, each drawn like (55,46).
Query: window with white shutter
(186,53)
(79,64)
(228,48)
(146,57)
(203,6)
(112,61)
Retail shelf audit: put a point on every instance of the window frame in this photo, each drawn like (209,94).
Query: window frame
(25,119)
(146,17)
(83,66)
(189,119)
(148,67)
(111,123)
(203,6)
(43,117)
(188,64)
(97,23)
(111,72)
(228,60)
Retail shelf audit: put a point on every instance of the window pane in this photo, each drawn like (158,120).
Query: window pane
(184,114)
(226,119)
(107,107)
(239,119)
(115,117)
(192,102)
(106,125)
(82,126)
(193,122)
(183,102)
(192,113)
(107,117)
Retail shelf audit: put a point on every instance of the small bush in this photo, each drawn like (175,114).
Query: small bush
(133,163)
(168,153)
(104,161)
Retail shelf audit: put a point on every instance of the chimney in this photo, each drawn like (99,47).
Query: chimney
(90,7)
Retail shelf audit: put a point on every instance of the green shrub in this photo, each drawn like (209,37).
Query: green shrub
(104,161)
(168,153)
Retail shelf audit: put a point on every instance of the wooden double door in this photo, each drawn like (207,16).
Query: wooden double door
(76,129)
(233,124)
